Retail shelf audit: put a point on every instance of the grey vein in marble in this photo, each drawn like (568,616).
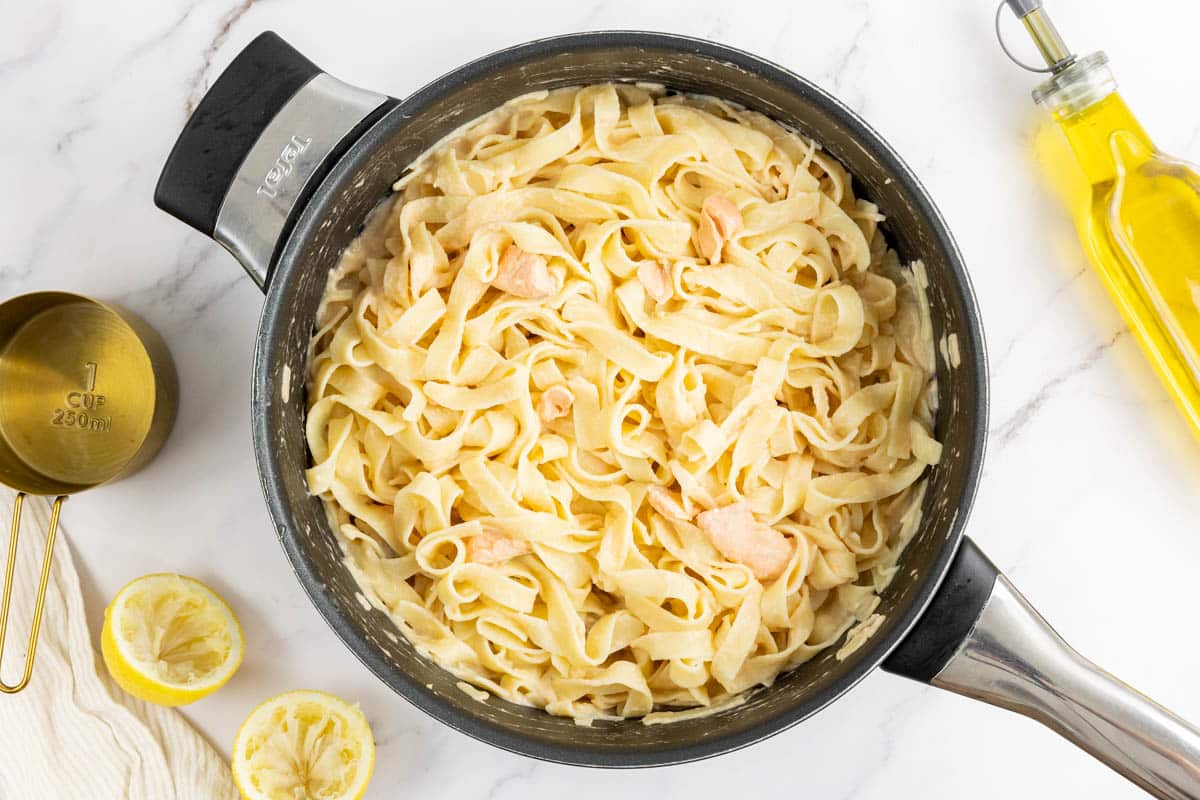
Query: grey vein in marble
(156,40)
(1193,142)
(183,292)
(837,78)
(36,46)
(40,239)
(895,716)
(69,136)
(838,74)
(515,778)
(783,34)
(1009,429)
(1024,330)
(196,86)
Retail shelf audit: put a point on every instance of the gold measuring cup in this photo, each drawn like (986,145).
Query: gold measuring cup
(87,395)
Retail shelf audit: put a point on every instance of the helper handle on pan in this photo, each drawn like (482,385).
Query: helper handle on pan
(981,638)
(257,145)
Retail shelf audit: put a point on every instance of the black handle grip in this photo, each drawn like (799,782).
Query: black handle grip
(226,124)
(949,618)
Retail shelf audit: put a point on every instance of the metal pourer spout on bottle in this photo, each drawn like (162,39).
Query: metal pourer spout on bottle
(1136,209)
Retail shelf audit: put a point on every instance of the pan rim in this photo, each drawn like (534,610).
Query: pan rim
(269,355)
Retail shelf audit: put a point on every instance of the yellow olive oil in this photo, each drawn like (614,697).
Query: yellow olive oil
(1137,211)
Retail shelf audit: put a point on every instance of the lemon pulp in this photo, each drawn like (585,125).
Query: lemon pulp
(170,639)
(304,744)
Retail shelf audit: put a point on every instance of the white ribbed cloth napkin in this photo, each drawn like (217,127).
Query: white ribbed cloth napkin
(73,734)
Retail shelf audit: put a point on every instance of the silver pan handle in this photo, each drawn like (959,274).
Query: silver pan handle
(256,147)
(284,164)
(1012,658)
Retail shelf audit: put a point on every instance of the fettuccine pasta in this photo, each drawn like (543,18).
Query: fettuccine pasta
(621,403)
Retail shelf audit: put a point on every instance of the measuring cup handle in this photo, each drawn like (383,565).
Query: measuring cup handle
(258,145)
(43,582)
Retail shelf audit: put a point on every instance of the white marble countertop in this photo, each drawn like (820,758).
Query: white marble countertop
(1092,484)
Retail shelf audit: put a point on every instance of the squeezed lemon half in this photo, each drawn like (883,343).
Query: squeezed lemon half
(304,744)
(170,640)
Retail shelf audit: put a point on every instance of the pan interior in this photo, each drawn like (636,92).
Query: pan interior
(363,178)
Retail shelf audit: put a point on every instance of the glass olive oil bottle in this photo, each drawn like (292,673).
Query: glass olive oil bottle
(1137,209)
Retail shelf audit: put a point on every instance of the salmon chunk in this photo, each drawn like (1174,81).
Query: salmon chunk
(656,280)
(493,547)
(739,537)
(524,274)
(720,221)
(554,403)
